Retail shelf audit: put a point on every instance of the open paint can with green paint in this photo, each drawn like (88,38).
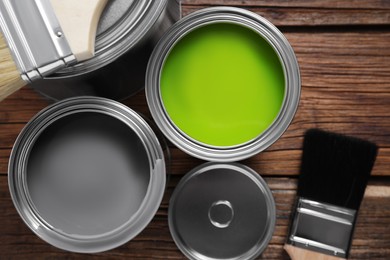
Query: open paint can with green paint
(223,84)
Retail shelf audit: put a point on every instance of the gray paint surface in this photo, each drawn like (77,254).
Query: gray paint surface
(87,174)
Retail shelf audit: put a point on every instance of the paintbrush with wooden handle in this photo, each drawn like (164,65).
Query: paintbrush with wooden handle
(334,173)
(43,36)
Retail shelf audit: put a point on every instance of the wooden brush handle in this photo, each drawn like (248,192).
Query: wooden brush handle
(79,20)
(297,253)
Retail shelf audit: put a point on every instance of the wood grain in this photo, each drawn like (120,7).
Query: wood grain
(341,4)
(345,88)
(342,47)
(155,241)
(297,253)
(308,13)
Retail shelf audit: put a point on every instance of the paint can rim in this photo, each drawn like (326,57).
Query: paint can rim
(178,233)
(224,15)
(18,184)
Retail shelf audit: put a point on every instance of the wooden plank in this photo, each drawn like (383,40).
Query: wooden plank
(307,13)
(371,239)
(287,163)
(320,17)
(344,89)
(267,163)
(8,134)
(341,4)
(21,106)
(4,157)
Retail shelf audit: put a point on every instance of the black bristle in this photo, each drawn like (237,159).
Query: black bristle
(335,168)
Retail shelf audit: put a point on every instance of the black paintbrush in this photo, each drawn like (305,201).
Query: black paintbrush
(334,174)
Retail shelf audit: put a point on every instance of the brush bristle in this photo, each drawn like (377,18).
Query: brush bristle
(10,80)
(335,168)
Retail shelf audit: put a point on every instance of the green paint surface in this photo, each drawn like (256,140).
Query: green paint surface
(222,84)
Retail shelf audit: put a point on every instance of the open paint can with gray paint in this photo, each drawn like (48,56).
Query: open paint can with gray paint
(223,84)
(222,211)
(127,33)
(87,174)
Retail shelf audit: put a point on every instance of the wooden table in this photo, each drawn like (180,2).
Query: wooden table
(343,48)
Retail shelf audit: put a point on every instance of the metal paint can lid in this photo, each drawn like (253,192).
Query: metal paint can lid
(222,211)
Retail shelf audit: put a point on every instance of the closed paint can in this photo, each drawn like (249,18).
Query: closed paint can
(222,211)
(223,84)
(87,174)
(126,36)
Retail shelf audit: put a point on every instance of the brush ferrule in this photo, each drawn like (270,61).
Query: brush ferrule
(322,227)
(34,37)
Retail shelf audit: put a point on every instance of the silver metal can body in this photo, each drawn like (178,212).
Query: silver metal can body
(87,174)
(274,38)
(126,36)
